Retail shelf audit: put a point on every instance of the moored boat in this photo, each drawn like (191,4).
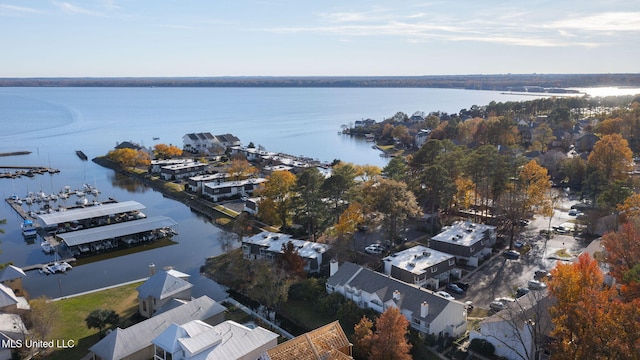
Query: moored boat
(28,228)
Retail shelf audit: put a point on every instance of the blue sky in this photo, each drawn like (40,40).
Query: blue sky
(316,38)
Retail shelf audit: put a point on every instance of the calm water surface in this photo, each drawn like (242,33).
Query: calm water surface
(54,122)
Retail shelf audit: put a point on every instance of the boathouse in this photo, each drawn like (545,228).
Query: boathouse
(111,236)
(92,215)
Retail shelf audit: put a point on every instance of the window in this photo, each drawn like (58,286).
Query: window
(452,262)
(434,269)
(144,305)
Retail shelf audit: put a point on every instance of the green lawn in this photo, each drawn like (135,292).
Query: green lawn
(73,311)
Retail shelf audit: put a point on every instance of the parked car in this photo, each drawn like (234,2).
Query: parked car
(523,222)
(363,228)
(500,303)
(522,291)
(511,255)
(560,229)
(462,285)
(541,273)
(536,285)
(574,212)
(454,288)
(374,249)
(518,244)
(445,295)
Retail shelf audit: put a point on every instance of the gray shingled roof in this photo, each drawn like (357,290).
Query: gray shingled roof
(162,285)
(7,297)
(373,282)
(11,273)
(125,342)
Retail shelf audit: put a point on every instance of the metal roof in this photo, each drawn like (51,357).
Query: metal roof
(89,212)
(116,230)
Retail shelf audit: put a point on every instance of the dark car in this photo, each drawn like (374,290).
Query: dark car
(454,288)
(462,285)
(522,291)
(511,255)
(541,274)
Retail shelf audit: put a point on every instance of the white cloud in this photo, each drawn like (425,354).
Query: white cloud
(74,9)
(610,22)
(18,9)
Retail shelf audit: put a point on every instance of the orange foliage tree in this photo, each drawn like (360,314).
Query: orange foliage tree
(129,157)
(612,157)
(166,151)
(389,341)
(623,256)
(591,321)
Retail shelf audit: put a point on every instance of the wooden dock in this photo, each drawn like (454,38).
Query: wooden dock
(41,266)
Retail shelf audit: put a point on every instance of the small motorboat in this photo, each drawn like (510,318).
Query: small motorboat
(28,228)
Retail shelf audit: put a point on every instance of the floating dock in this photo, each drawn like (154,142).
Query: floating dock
(81,155)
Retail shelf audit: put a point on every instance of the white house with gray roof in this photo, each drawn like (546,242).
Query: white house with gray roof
(267,245)
(135,342)
(197,340)
(160,289)
(426,312)
(469,242)
(421,266)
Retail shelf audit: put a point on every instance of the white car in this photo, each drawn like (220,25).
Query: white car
(374,249)
(536,285)
(500,303)
(445,295)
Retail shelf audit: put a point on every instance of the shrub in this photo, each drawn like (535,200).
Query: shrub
(482,347)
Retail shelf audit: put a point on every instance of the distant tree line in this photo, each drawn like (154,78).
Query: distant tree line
(477,82)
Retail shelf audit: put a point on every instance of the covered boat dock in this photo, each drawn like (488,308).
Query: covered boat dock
(111,236)
(91,216)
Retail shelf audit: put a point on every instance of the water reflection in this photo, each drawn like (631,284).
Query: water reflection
(128,184)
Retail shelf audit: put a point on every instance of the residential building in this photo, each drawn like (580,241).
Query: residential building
(12,331)
(182,171)
(161,288)
(199,142)
(196,183)
(267,245)
(251,154)
(421,137)
(199,340)
(156,165)
(217,191)
(326,342)
(421,266)
(228,140)
(11,276)
(469,242)
(522,330)
(135,342)
(426,311)
(364,123)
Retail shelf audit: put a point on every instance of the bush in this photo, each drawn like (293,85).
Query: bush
(482,346)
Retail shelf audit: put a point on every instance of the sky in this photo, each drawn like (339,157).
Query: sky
(140,38)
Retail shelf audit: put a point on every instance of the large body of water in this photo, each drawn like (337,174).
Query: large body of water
(54,122)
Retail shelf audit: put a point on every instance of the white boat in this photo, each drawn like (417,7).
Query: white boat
(28,228)
(82,201)
(53,197)
(46,247)
(59,266)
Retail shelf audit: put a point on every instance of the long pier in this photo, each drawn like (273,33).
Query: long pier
(28,171)
(42,266)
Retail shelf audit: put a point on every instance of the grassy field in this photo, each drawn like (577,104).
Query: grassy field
(73,311)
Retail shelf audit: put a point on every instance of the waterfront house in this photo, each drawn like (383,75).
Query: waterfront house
(197,340)
(421,137)
(11,303)
(421,266)
(11,276)
(227,140)
(135,342)
(426,311)
(267,245)
(156,165)
(251,153)
(364,123)
(182,171)
(217,191)
(199,142)
(326,342)
(196,183)
(161,288)
(469,242)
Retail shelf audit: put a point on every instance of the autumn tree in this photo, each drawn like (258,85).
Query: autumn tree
(608,165)
(350,219)
(388,341)
(623,256)
(591,321)
(239,169)
(165,151)
(277,196)
(367,172)
(269,284)
(629,208)
(290,261)
(129,157)
(337,187)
